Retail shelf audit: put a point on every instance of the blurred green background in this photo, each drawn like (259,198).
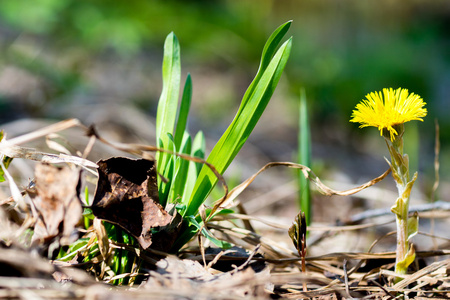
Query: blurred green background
(71,58)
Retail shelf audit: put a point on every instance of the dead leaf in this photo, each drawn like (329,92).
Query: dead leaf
(102,238)
(127,195)
(56,198)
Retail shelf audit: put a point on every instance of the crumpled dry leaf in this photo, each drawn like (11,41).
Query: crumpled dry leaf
(57,202)
(127,195)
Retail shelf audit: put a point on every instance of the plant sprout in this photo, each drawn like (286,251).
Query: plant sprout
(304,157)
(187,184)
(388,111)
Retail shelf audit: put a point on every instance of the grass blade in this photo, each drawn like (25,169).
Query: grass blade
(181,171)
(183,113)
(198,150)
(252,106)
(268,52)
(208,235)
(168,101)
(168,161)
(304,157)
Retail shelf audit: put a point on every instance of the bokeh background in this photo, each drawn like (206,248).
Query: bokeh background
(100,61)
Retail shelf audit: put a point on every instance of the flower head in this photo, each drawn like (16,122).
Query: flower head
(389,108)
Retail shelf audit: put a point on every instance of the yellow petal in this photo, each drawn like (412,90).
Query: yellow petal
(389,108)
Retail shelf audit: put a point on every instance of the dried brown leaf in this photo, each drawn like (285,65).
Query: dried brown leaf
(57,202)
(127,195)
(102,238)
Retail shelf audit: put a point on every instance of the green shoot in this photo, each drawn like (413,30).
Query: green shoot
(252,106)
(304,157)
(183,113)
(167,109)
(254,102)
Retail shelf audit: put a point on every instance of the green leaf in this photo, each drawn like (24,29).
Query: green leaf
(183,113)
(252,106)
(6,160)
(399,207)
(168,101)
(181,171)
(73,249)
(402,266)
(168,161)
(268,52)
(412,226)
(198,150)
(409,186)
(208,234)
(304,157)
(187,233)
(165,186)
(192,228)
(224,211)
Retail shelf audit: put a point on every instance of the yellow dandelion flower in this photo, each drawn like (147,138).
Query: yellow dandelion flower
(387,109)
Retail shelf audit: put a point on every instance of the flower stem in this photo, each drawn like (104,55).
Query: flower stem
(402,244)
(400,171)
